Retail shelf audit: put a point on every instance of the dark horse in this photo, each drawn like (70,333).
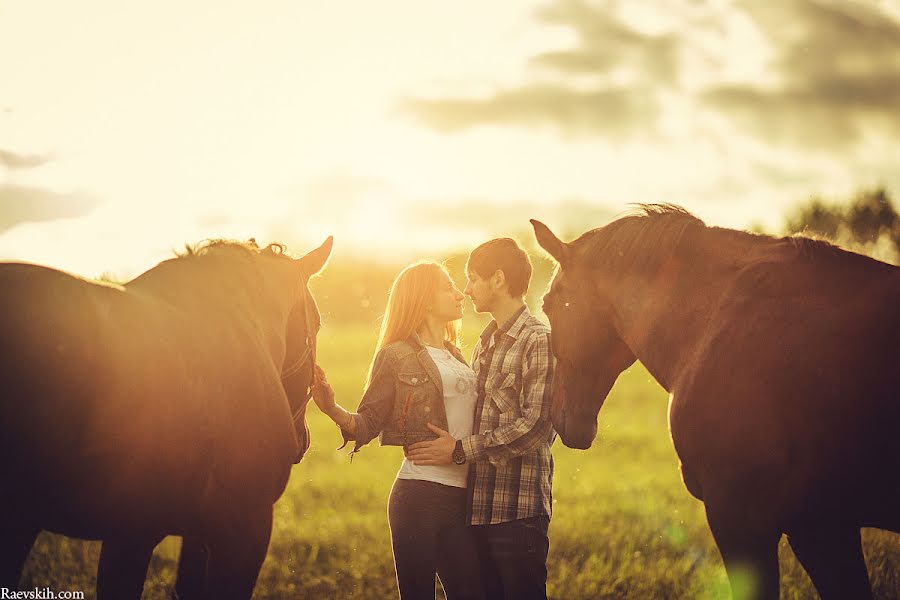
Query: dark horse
(781,359)
(172,405)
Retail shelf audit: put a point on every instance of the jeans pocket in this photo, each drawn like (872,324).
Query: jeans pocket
(520,538)
(535,534)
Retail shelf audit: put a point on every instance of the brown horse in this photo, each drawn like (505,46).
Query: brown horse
(781,359)
(172,405)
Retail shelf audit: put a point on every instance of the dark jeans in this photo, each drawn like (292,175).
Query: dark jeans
(513,558)
(429,535)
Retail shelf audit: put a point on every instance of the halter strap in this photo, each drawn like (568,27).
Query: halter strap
(298,364)
(309,352)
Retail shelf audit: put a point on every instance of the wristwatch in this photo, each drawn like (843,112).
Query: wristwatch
(459,455)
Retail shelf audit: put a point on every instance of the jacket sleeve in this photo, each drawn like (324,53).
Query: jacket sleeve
(376,405)
(533,427)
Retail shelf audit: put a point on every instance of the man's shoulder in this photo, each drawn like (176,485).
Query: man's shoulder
(533,327)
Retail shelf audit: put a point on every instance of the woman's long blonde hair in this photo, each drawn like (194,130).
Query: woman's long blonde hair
(412,292)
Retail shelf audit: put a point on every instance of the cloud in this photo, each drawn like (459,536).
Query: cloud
(833,74)
(608,84)
(11,160)
(607,45)
(613,112)
(21,204)
(838,72)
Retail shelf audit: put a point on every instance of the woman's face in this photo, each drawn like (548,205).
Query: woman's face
(448,301)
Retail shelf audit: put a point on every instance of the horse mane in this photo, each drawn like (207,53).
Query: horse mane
(638,239)
(223,252)
(204,247)
(643,238)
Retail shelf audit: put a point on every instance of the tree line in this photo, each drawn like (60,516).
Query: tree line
(868,223)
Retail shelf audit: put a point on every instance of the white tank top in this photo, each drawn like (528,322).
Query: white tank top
(459,402)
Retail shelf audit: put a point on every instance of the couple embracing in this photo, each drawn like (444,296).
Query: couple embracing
(472,499)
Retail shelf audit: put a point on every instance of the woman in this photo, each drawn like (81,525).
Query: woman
(419,380)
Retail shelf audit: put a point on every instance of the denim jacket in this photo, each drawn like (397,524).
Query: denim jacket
(404,395)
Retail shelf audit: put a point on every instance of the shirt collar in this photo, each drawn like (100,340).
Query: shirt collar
(511,327)
(416,341)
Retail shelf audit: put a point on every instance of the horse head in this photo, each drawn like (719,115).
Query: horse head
(590,353)
(304,321)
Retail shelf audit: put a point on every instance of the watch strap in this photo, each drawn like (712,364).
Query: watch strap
(459,455)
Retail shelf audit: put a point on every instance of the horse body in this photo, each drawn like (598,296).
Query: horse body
(792,397)
(131,421)
(156,408)
(780,357)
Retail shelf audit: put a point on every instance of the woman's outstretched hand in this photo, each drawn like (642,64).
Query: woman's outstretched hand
(323,393)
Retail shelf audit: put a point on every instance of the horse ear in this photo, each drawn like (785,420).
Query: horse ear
(549,242)
(313,262)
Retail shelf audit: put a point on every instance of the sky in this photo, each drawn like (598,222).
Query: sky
(411,127)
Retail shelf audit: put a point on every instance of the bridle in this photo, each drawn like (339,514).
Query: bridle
(309,353)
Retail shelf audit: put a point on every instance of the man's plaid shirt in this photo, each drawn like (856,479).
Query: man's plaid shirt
(511,468)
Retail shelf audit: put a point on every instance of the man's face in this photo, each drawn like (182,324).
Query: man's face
(480,291)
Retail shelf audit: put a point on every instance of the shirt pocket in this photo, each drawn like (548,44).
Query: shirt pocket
(505,392)
(412,384)
(413,409)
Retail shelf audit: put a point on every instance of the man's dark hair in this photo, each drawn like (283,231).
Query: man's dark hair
(506,255)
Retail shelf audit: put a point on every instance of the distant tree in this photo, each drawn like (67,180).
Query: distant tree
(869,223)
(872,216)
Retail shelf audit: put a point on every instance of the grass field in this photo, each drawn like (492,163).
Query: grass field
(623,525)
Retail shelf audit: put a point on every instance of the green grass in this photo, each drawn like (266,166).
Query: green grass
(623,525)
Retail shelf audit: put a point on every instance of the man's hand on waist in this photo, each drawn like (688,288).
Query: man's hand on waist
(433,452)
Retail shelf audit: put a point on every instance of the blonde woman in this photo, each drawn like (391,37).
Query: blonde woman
(420,388)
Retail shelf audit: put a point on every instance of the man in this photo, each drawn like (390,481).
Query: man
(511,468)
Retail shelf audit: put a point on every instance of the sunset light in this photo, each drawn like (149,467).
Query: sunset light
(295,120)
(600,297)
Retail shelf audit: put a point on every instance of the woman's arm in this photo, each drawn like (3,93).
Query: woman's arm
(323,396)
(374,409)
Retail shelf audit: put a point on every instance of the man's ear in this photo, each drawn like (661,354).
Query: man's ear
(498,278)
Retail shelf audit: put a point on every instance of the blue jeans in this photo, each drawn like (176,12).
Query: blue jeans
(429,536)
(513,558)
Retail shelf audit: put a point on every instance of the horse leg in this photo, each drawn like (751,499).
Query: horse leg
(15,544)
(236,553)
(833,558)
(192,562)
(123,567)
(750,555)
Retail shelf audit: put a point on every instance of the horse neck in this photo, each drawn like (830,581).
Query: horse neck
(662,314)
